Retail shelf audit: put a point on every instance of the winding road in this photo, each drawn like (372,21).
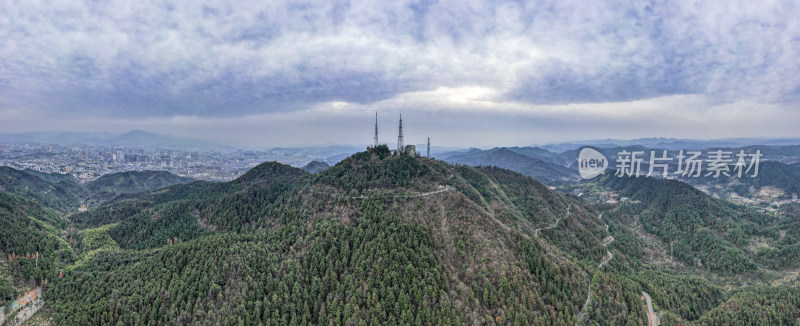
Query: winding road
(536,232)
(608,252)
(652,318)
(610,255)
(424,194)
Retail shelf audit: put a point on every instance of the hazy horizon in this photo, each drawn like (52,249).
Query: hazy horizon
(210,144)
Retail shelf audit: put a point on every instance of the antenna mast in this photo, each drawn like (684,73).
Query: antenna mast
(400,146)
(429,147)
(376,129)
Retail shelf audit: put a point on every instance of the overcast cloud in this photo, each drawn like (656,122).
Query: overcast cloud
(465,73)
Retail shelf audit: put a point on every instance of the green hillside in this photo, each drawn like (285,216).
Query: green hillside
(64,193)
(533,162)
(315,167)
(703,230)
(783,177)
(380,239)
(112,185)
(373,239)
(28,228)
(54,190)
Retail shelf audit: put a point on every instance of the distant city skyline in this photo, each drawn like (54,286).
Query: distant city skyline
(144,139)
(272,74)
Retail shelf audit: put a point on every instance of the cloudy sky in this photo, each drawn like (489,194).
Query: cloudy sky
(465,73)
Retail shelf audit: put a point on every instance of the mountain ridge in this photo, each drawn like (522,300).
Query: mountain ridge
(545,169)
(470,208)
(395,239)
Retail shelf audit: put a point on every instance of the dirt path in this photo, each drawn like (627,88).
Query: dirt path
(536,232)
(424,194)
(608,252)
(610,255)
(652,318)
(582,314)
(501,224)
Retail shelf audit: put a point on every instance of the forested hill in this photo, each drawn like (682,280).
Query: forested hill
(532,162)
(702,230)
(57,191)
(112,185)
(784,177)
(316,167)
(63,192)
(196,209)
(27,229)
(684,247)
(381,239)
(375,239)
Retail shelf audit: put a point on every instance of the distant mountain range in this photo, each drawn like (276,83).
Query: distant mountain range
(781,176)
(671,143)
(132,138)
(780,165)
(534,162)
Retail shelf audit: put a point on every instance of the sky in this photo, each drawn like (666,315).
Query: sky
(259,74)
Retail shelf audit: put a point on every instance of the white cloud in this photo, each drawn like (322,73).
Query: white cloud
(184,62)
(460,117)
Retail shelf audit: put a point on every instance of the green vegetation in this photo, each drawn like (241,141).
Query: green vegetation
(110,186)
(341,275)
(63,192)
(315,167)
(698,226)
(615,301)
(360,172)
(397,240)
(785,251)
(189,211)
(757,306)
(42,318)
(53,190)
(770,174)
(7,292)
(275,254)
(24,232)
(704,233)
(527,161)
(90,242)
(688,296)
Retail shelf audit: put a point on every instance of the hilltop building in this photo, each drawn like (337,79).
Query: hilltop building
(410,150)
